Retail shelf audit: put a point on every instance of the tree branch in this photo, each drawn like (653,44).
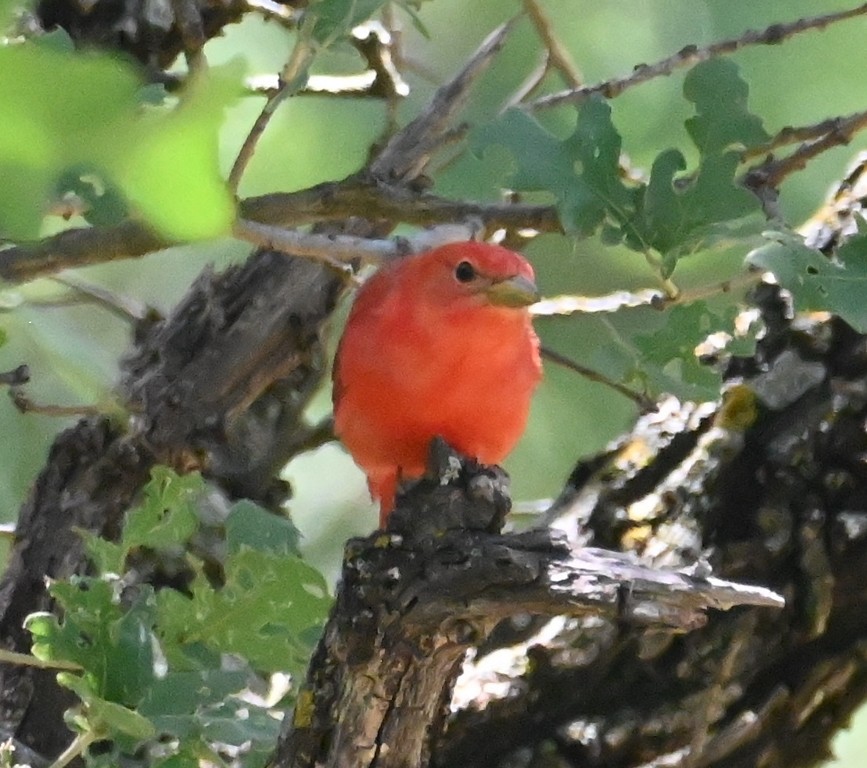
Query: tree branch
(803,133)
(558,56)
(79,248)
(331,201)
(772,172)
(412,601)
(408,152)
(692,54)
(291,80)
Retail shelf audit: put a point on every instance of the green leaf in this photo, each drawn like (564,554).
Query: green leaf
(107,556)
(173,161)
(116,718)
(51,101)
(8,8)
(113,645)
(107,717)
(677,217)
(684,214)
(582,171)
(723,122)
(58,40)
(675,213)
(105,203)
(166,516)
(182,693)
(815,281)
(222,723)
(178,704)
(71,112)
(336,18)
(181,760)
(252,526)
(129,654)
(667,361)
(89,609)
(43,628)
(270,611)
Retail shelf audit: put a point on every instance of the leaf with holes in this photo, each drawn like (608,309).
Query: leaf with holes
(816,282)
(270,610)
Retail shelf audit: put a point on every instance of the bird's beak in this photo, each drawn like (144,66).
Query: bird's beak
(516,291)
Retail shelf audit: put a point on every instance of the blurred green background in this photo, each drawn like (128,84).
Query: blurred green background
(73,350)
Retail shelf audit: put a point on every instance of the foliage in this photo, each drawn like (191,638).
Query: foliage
(667,216)
(104,143)
(188,664)
(815,281)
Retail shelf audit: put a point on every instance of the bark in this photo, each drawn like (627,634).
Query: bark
(768,488)
(414,600)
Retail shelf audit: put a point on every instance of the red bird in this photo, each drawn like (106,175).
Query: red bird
(439,344)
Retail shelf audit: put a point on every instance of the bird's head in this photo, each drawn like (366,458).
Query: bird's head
(474,274)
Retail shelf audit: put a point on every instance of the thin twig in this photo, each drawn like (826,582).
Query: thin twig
(77,747)
(771,173)
(395,59)
(742,282)
(529,85)
(124,307)
(343,86)
(313,437)
(692,54)
(644,402)
(380,80)
(559,57)
(408,152)
(28,660)
(335,251)
(188,20)
(610,302)
(25,405)
(341,251)
(16,377)
(375,42)
(293,73)
(804,133)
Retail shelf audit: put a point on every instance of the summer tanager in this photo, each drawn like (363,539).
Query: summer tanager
(438,344)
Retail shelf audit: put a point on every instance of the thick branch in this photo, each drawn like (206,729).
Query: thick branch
(220,386)
(330,201)
(414,600)
(78,248)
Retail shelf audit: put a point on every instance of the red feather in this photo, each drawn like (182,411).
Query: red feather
(439,344)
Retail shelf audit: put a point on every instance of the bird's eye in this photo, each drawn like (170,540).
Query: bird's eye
(465,272)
